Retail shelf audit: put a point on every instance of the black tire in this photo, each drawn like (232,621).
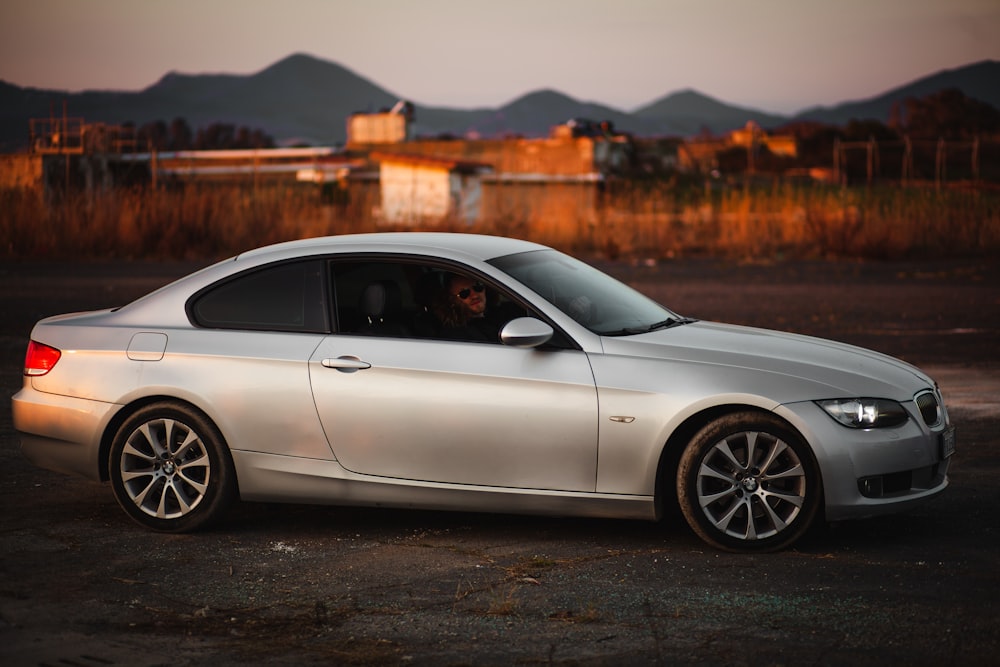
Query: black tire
(748,483)
(170,468)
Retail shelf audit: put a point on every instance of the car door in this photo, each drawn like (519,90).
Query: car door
(477,413)
(247,357)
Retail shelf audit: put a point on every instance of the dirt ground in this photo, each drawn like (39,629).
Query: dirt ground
(80,584)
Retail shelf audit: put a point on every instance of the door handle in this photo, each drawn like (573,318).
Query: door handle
(346,364)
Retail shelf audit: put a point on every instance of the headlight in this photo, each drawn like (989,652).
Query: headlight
(865,412)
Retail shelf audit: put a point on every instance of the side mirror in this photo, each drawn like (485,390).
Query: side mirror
(526,332)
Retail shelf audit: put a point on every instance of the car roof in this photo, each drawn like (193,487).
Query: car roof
(470,246)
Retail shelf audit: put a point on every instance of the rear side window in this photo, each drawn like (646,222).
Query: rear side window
(285,297)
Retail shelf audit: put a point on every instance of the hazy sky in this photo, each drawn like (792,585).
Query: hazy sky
(773,55)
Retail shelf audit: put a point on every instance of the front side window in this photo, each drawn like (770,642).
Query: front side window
(411,299)
(594,299)
(284,297)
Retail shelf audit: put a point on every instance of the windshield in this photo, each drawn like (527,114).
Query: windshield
(594,299)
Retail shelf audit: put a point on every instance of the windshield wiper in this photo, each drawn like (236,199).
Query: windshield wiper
(656,326)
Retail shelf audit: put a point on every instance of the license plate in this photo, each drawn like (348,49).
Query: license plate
(948,443)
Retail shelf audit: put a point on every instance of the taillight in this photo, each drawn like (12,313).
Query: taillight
(40,358)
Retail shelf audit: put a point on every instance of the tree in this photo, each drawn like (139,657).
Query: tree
(949,114)
(863,130)
(178,136)
(815,141)
(225,136)
(181,136)
(153,136)
(217,136)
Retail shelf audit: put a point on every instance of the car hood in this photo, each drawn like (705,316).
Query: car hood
(829,369)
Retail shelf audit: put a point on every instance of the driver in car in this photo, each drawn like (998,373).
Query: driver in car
(462,310)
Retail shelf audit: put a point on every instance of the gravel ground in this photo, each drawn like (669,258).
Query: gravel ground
(80,584)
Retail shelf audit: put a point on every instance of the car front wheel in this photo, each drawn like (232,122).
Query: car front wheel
(748,483)
(170,469)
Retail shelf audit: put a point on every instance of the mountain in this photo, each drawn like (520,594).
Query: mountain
(690,113)
(979,81)
(303,98)
(530,115)
(299,96)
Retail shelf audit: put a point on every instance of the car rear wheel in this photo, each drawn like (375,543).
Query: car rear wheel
(748,483)
(170,469)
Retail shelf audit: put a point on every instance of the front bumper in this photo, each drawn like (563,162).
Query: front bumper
(870,472)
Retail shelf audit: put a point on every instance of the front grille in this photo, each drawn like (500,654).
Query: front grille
(927,403)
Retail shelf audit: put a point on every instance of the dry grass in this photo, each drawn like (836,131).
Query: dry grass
(648,220)
(803,221)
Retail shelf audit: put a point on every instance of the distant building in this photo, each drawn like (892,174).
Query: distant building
(577,151)
(254,165)
(752,135)
(67,153)
(702,154)
(560,177)
(421,188)
(391,126)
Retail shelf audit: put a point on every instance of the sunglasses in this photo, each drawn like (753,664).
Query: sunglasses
(465,293)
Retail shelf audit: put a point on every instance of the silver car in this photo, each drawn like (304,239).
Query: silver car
(350,370)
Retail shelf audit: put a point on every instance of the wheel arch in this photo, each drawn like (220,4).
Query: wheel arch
(670,456)
(120,417)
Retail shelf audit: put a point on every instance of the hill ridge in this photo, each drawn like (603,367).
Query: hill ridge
(304,97)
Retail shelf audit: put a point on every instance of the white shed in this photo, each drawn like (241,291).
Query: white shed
(419,189)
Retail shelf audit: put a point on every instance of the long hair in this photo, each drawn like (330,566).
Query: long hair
(445,309)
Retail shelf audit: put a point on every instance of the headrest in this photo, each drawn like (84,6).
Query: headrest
(380,298)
